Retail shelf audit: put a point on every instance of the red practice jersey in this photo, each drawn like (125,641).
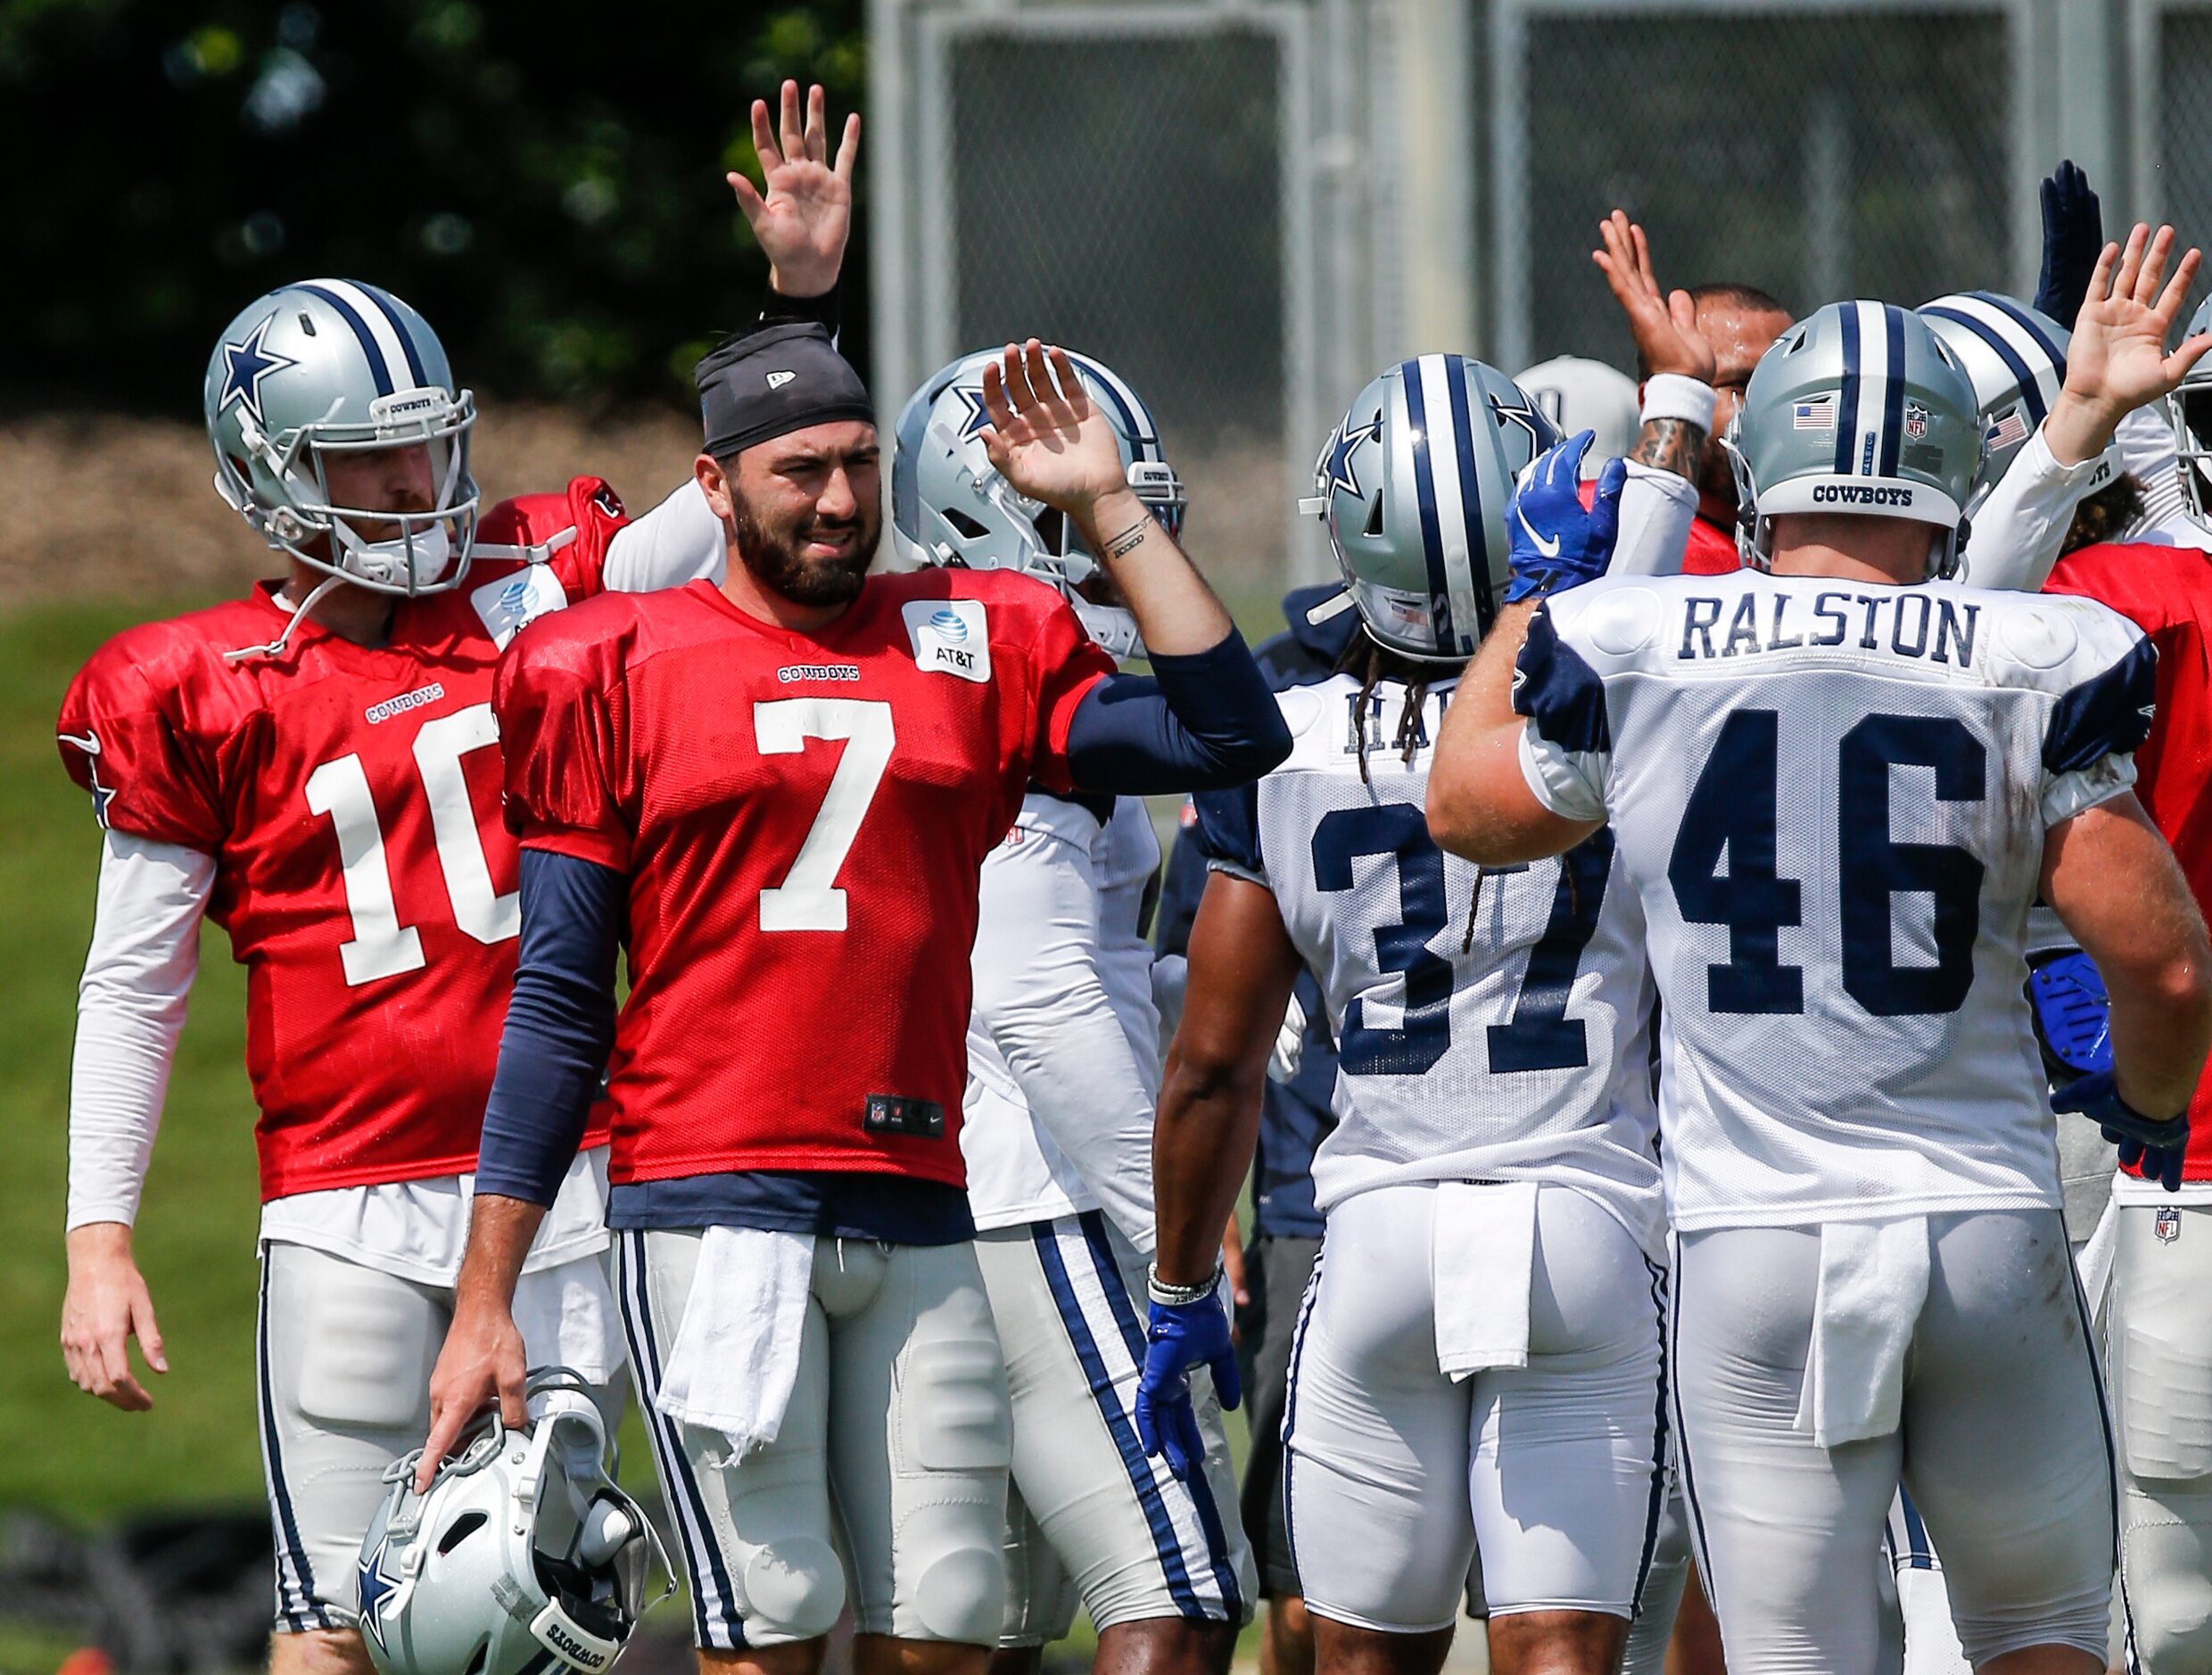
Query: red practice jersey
(351,797)
(1710,551)
(803,818)
(2167,591)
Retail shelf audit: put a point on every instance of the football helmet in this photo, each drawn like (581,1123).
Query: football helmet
(1858,408)
(2015,359)
(2189,408)
(949,505)
(1412,487)
(1587,395)
(522,1556)
(326,366)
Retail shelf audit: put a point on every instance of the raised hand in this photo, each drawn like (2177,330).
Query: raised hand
(1664,323)
(1046,437)
(805,215)
(2117,360)
(2073,234)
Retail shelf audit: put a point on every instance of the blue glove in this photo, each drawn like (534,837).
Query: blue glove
(1555,542)
(2073,239)
(2157,1146)
(2073,1016)
(1180,1337)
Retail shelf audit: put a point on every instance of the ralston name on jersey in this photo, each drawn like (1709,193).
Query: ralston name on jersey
(803,818)
(350,796)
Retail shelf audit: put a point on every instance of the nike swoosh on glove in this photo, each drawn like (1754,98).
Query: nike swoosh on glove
(1555,543)
(1182,1336)
(2158,1146)
(2073,240)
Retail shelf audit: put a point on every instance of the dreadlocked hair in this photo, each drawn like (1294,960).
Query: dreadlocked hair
(1372,663)
(2104,514)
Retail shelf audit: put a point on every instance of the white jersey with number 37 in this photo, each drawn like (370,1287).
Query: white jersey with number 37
(1498,1034)
(1832,798)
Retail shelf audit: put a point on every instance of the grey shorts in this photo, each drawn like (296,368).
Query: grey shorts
(2001,1440)
(1278,1270)
(1090,1516)
(342,1362)
(886,1485)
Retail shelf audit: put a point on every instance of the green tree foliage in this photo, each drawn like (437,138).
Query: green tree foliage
(542,179)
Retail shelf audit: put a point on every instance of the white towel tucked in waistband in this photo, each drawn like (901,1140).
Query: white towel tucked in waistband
(736,1357)
(1873,1284)
(1481,1256)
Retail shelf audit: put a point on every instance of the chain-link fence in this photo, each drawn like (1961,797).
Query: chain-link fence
(1248,206)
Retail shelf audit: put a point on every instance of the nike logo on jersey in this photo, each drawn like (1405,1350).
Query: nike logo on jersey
(1549,548)
(88,742)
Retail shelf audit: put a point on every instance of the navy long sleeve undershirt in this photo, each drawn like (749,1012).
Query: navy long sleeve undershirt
(1198,722)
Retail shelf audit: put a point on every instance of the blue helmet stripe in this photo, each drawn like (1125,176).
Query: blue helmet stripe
(1847,402)
(377,369)
(1995,341)
(399,331)
(1425,493)
(1140,435)
(2030,325)
(1457,376)
(1894,395)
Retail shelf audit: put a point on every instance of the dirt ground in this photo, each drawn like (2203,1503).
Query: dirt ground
(109,505)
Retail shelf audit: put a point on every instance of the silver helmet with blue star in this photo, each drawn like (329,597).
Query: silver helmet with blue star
(950,506)
(521,1556)
(329,367)
(1413,486)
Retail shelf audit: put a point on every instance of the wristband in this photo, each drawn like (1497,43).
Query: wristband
(1671,395)
(1179,1296)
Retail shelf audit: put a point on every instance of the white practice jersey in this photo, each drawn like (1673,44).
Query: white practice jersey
(1063,1045)
(1492,1035)
(1832,797)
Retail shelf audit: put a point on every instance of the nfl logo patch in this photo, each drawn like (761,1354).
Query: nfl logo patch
(1916,421)
(2168,1227)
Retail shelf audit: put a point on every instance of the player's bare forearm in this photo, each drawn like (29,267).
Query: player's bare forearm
(2116,885)
(499,1231)
(1175,611)
(1242,964)
(1479,804)
(1673,445)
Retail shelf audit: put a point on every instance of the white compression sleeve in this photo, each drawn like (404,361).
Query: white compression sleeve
(679,541)
(1657,508)
(2018,530)
(130,1007)
(1039,993)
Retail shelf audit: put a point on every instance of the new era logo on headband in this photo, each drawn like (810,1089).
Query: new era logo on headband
(777,380)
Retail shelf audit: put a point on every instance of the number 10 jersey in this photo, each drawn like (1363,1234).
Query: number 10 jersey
(1492,1023)
(1832,797)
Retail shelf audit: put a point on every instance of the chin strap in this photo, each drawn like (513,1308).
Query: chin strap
(275,648)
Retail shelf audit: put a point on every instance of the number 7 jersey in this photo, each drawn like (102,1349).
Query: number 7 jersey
(1832,797)
(1491,1023)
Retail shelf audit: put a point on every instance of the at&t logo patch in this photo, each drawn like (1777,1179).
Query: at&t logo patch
(950,637)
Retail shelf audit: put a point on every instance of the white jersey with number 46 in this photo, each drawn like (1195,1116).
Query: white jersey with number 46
(1832,797)
(1490,1033)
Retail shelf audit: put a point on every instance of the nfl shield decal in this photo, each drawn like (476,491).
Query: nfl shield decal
(2167,1226)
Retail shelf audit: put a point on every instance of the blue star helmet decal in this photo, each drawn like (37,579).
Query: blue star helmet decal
(972,422)
(1528,419)
(1343,477)
(376,1587)
(245,365)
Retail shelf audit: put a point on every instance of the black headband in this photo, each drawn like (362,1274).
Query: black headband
(770,383)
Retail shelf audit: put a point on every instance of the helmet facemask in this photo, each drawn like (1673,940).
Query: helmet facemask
(2189,408)
(283,490)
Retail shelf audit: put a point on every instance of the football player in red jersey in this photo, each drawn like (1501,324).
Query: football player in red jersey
(315,768)
(778,795)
